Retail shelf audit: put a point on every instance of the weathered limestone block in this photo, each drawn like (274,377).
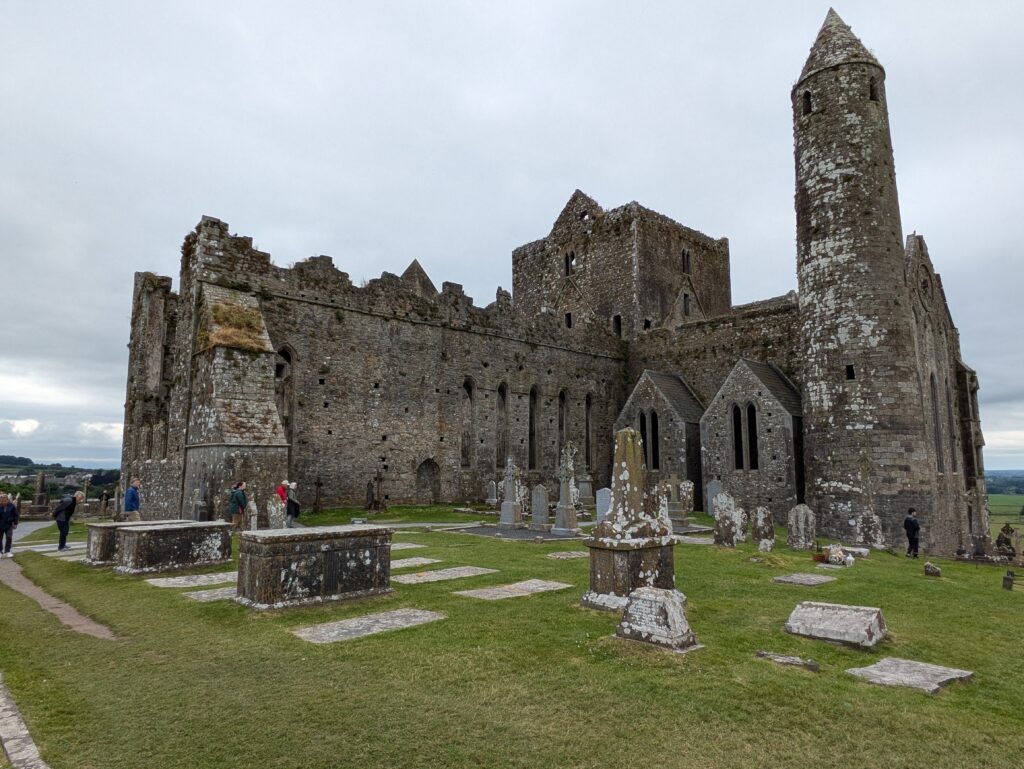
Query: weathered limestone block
(931,570)
(857,625)
(730,521)
(801,528)
(892,671)
(586,491)
(539,507)
(178,545)
(101,547)
(276,512)
(294,567)
(632,547)
(603,504)
(685,497)
(764,529)
(657,616)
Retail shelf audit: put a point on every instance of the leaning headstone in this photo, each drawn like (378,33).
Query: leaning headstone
(730,521)
(604,503)
(764,529)
(931,570)
(492,493)
(539,508)
(891,671)
(657,616)
(511,510)
(801,528)
(632,547)
(565,511)
(857,625)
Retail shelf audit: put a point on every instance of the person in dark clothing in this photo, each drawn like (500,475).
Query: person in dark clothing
(913,528)
(8,523)
(62,514)
(237,503)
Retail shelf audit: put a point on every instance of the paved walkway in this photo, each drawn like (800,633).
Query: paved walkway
(12,576)
(21,750)
(27,527)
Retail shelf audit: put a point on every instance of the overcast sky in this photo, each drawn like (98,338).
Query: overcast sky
(452,132)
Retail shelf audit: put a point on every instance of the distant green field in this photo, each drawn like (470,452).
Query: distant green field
(1005,504)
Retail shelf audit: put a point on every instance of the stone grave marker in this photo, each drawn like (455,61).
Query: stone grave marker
(931,570)
(408,563)
(586,490)
(565,511)
(657,616)
(358,627)
(801,528)
(892,671)
(405,546)
(785,659)
(441,575)
(195,580)
(511,510)
(213,594)
(730,521)
(515,590)
(539,508)
(604,503)
(568,555)
(764,529)
(492,493)
(861,626)
(714,488)
(803,579)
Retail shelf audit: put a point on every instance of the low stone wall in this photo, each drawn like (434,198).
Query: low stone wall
(293,567)
(179,545)
(101,549)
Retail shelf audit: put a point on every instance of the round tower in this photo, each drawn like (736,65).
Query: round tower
(863,427)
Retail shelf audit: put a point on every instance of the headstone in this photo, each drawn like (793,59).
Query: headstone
(252,514)
(586,489)
(102,544)
(565,511)
(657,616)
(1004,542)
(442,575)
(276,512)
(764,529)
(511,510)
(801,528)
(195,580)
(730,521)
(176,545)
(539,508)
(515,590)
(603,503)
(714,488)
(632,547)
(857,625)
(492,493)
(891,671)
(931,570)
(358,627)
(411,563)
(784,659)
(685,497)
(803,579)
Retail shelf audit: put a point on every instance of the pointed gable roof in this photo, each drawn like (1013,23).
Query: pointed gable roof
(777,384)
(835,44)
(576,208)
(418,280)
(678,394)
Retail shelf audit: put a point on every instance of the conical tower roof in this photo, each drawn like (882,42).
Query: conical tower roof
(836,44)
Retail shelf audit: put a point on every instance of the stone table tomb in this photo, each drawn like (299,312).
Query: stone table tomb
(168,546)
(856,625)
(101,549)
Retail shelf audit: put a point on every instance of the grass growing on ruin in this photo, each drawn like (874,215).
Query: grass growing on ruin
(234,325)
(525,682)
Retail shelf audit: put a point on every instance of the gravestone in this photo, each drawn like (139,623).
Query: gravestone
(730,521)
(539,508)
(714,488)
(586,489)
(861,626)
(631,547)
(764,529)
(686,497)
(102,544)
(801,528)
(276,512)
(891,671)
(603,504)
(492,493)
(177,545)
(565,511)
(931,570)
(785,659)
(511,509)
(657,616)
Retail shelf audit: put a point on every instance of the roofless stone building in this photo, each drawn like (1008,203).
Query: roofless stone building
(850,396)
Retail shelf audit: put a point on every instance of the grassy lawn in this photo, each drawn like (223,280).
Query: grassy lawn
(527,682)
(77,533)
(399,514)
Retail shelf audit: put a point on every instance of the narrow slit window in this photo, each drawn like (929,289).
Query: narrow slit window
(808,107)
(850,373)
(873,89)
(617,326)
(737,437)
(568,320)
(752,436)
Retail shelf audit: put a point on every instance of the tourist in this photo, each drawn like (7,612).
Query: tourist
(131,501)
(282,492)
(293,506)
(8,523)
(913,527)
(237,503)
(62,514)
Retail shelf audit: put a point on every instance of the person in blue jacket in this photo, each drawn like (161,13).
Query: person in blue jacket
(131,501)
(8,523)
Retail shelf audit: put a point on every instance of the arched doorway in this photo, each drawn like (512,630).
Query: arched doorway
(428,482)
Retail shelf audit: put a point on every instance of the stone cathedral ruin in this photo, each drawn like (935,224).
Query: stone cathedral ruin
(850,396)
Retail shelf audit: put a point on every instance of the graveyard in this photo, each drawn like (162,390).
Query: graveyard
(532,678)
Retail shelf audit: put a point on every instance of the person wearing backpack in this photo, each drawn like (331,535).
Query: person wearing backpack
(237,503)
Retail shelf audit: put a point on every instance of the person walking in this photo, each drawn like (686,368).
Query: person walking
(131,501)
(237,503)
(292,505)
(913,528)
(62,514)
(8,523)
(282,492)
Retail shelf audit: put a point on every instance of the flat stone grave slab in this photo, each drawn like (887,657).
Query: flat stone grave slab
(857,625)
(688,540)
(358,627)
(195,580)
(164,547)
(440,575)
(494,531)
(102,543)
(408,563)
(918,675)
(803,579)
(515,590)
(568,555)
(214,594)
(405,546)
(785,659)
(278,568)
(830,566)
